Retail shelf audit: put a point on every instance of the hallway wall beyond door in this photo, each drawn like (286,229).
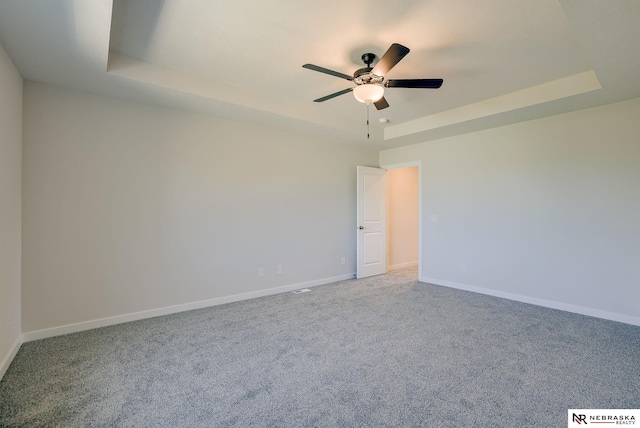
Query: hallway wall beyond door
(402,217)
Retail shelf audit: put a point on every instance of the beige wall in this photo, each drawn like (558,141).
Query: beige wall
(10,208)
(129,207)
(402,217)
(545,211)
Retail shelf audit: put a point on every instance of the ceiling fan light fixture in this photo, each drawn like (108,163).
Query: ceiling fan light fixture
(368,93)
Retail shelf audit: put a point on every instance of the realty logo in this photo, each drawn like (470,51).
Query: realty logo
(577,417)
(580,419)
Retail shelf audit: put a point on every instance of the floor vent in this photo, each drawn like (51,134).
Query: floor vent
(302,290)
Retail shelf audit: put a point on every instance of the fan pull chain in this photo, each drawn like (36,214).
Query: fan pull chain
(368,105)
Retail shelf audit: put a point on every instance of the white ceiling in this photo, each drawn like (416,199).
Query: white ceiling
(502,61)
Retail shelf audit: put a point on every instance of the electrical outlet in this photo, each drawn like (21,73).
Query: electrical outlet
(463,267)
(260,272)
(344,259)
(279,270)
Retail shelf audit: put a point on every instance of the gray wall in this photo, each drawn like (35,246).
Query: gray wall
(131,208)
(10,208)
(545,211)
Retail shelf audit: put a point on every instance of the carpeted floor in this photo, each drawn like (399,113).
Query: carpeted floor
(376,352)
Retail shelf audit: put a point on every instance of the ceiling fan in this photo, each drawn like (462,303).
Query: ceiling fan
(370,82)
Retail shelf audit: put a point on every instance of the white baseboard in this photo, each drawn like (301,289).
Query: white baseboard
(11,355)
(597,313)
(119,319)
(403,265)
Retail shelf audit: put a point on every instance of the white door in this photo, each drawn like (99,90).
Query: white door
(372,222)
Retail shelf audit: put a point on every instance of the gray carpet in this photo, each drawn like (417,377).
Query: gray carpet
(382,351)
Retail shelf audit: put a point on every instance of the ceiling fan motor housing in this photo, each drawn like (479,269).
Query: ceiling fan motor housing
(364,76)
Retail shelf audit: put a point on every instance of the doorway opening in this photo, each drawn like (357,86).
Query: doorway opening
(389,213)
(404,219)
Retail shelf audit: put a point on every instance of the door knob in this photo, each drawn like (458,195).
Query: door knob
(361,227)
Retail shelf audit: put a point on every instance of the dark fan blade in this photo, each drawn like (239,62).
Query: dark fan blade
(391,57)
(414,83)
(327,71)
(328,97)
(381,104)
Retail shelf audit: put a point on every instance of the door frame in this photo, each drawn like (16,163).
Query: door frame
(410,164)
